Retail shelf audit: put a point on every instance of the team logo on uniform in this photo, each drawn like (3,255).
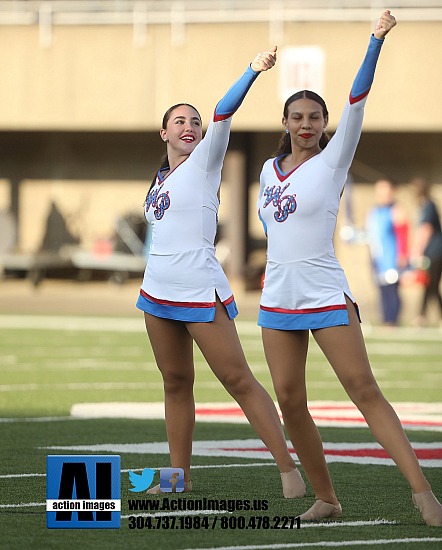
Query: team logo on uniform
(159,201)
(285,204)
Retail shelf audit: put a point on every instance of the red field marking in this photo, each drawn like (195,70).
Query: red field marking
(422,454)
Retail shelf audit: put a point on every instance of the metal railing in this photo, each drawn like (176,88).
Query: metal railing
(144,14)
(160,12)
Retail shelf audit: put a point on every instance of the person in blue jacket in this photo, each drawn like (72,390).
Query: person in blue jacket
(387,231)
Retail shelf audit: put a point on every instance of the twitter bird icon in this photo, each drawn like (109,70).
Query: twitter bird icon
(141,482)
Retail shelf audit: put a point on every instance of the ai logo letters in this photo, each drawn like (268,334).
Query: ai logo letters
(83,492)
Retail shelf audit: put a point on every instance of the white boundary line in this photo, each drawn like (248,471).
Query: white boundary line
(162,448)
(193,467)
(135,324)
(209,512)
(23,505)
(252,449)
(327,523)
(5,420)
(180,513)
(325,543)
(279,546)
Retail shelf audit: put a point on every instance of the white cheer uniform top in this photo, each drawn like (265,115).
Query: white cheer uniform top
(183,275)
(304,285)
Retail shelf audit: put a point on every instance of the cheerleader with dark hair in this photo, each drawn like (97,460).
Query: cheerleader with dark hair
(306,289)
(185,295)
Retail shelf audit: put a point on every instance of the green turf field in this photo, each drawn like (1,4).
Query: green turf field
(45,371)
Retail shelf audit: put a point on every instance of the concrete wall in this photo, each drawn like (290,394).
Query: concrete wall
(79,118)
(95,78)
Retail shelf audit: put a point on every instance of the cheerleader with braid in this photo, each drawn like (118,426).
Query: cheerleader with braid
(306,289)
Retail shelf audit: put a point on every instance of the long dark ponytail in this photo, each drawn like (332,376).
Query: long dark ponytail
(285,143)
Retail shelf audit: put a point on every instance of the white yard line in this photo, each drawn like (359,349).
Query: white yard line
(325,543)
(129,324)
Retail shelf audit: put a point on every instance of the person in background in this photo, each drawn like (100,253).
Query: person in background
(305,288)
(427,247)
(388,231)
(185,295)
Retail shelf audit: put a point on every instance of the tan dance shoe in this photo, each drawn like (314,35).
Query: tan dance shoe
(322,510)
(293,485)
(429,507)
(157,491)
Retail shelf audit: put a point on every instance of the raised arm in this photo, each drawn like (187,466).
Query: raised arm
(340,151)
(210,153)
(236,93)
(364,78)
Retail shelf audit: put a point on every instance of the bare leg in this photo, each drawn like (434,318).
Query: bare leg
(173,349)
(286,353)
(345,350)
(220,345)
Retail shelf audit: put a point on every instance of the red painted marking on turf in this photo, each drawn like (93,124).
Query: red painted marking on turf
(362,420)
(422,454)
(218,412)
(237,412)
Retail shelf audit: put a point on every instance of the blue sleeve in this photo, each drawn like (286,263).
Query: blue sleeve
(341,149)
(364,78)
(235,95)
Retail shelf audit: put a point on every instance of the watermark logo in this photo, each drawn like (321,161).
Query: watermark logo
(83,492)
(141,482)
(172,480)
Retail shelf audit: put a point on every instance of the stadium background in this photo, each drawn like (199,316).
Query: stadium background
(85,85)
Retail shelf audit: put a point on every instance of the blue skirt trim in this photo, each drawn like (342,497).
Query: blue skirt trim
(189,312)
(306,320)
